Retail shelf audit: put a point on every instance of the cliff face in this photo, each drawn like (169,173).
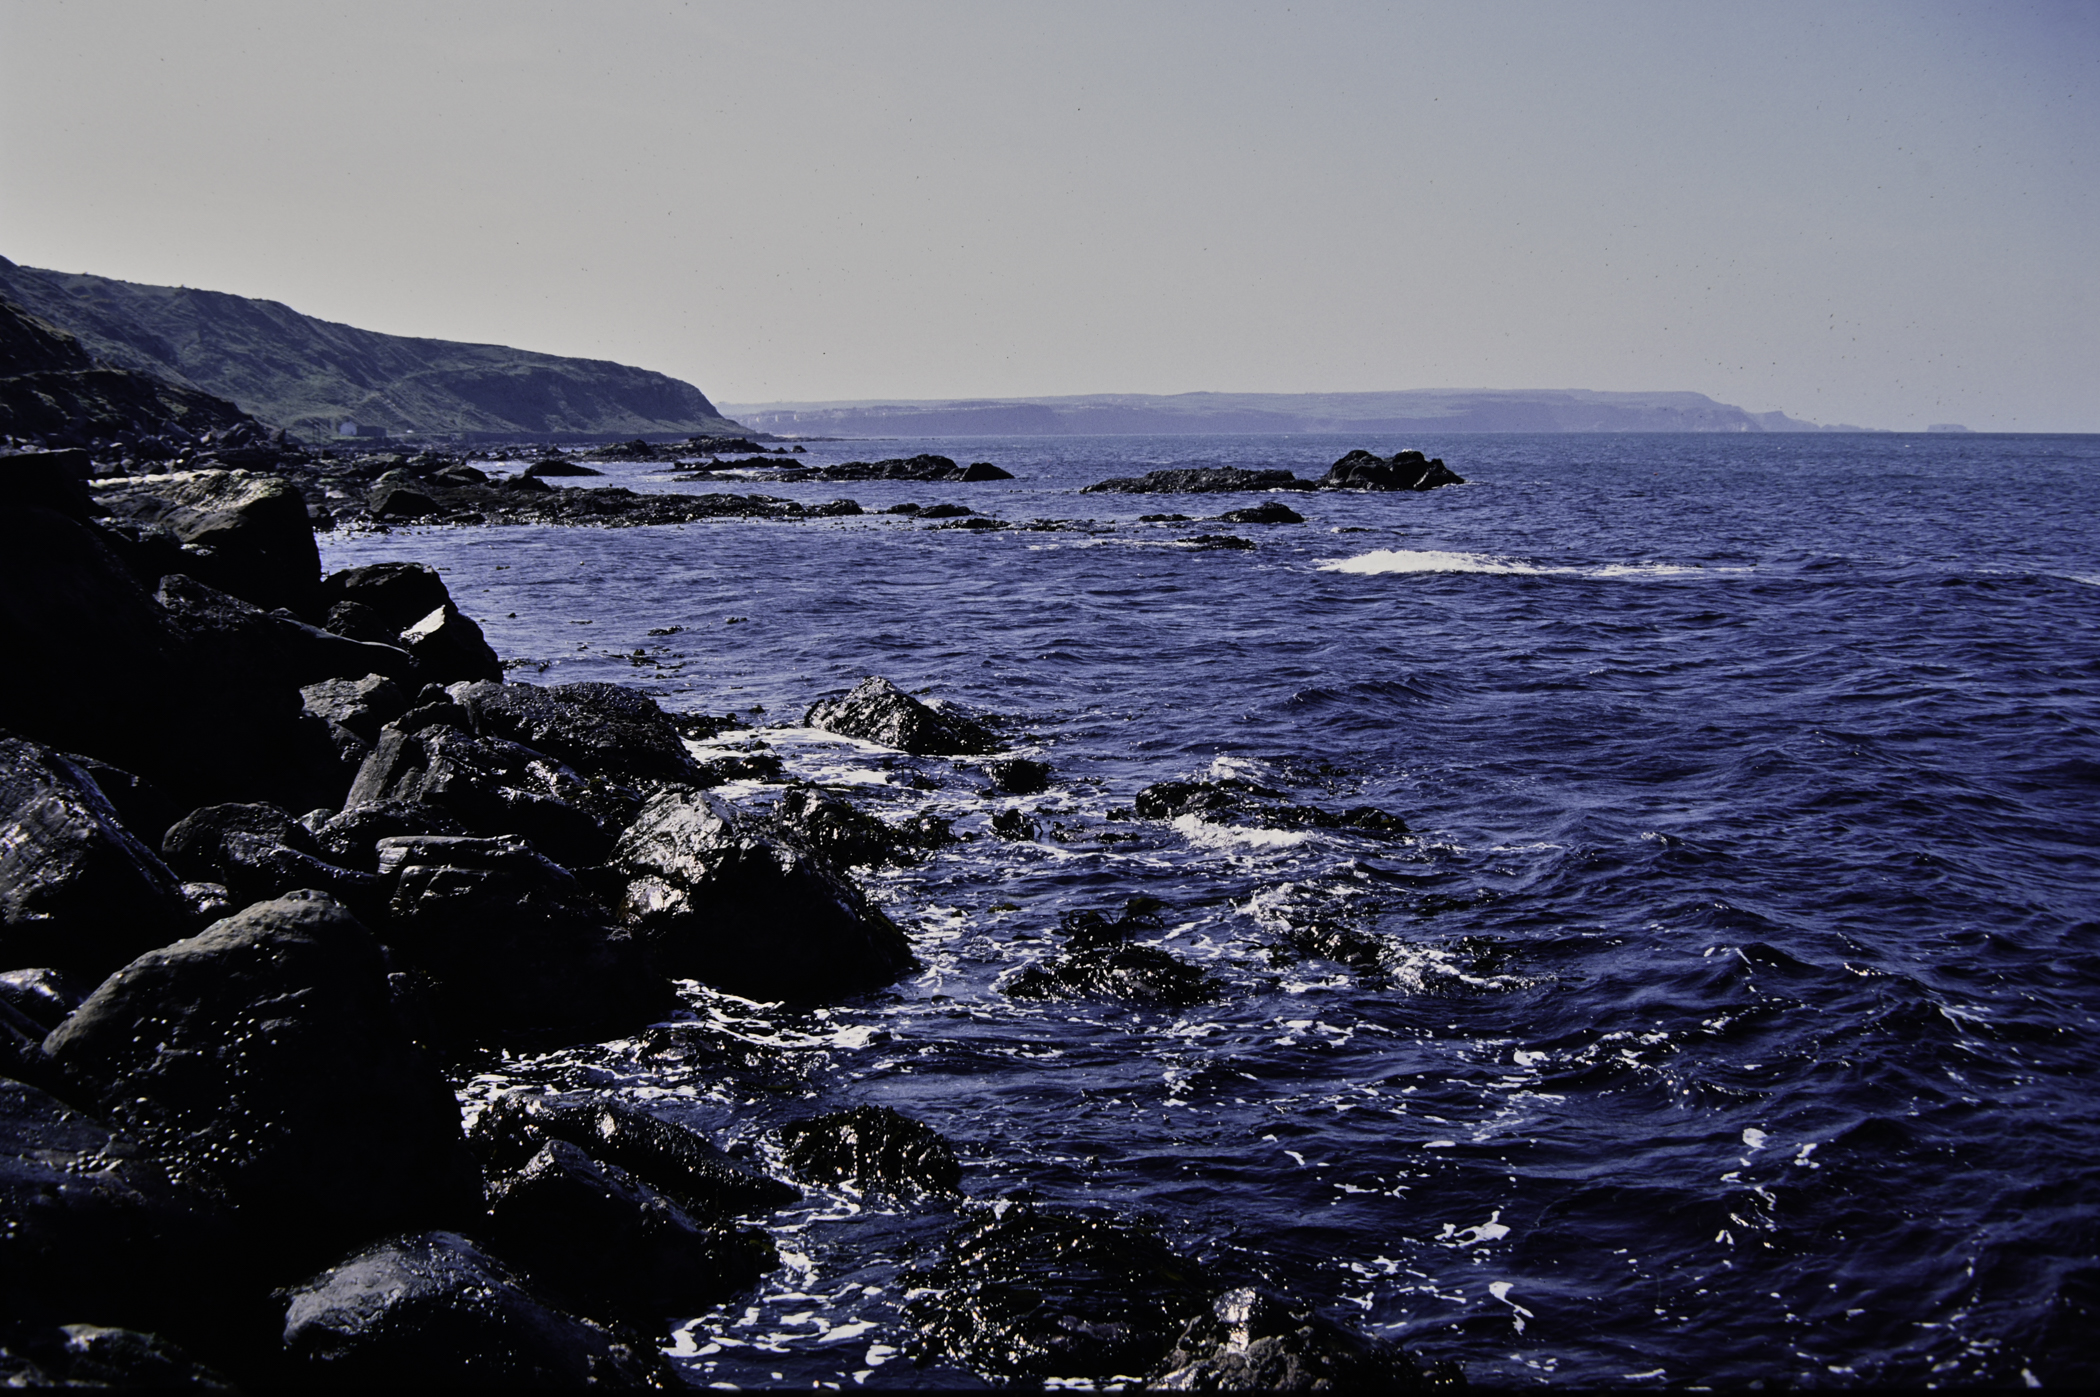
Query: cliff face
(50,387)
(307,375)
(1424,410)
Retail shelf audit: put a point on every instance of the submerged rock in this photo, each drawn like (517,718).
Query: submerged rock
(721,901)
(263,1061)
(1251,1341)
(873,1148)
(1139,974)
(669,1158)
(1198,481)
(878,711)
(1230,798)
(433,1310)
(1018,776)
(1405,470)
(1023,1292)
(1215,543)
(1272,512)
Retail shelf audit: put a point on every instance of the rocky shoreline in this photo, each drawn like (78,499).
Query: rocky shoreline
(275,848)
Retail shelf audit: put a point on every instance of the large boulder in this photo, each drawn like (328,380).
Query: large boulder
(875,1149)
(1404,470)
(225,630)
(243,533)
(702,1179)
(258,852)
(434,1311)
(351,838)
(516,945)
(449,647)
(406,604)
(607,1243)
(490,786)
(264,1061)
(96,666)
(399,594)
(1203,480)
(722,901)
(77,891)
(878,711)
(598,729)
(361,706)
(89,1223)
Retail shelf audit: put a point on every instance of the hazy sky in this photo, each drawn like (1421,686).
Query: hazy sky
(1880,213)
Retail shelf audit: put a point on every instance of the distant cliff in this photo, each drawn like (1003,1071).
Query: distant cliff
(1419,410)
(307,375)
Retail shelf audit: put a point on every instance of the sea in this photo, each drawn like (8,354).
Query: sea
(1732,1018)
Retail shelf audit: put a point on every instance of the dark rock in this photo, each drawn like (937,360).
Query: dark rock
(463,474)
(399,501)
(77,891)
(89,1224)
(222,629)
(350,839)
(836,509)
(1018,776)
(490,786)
(208,902)
(449,647)
(360,622)
(362,706)
(985,470)
(906,508)
(528,484)
(145,811)
(1232,798)
(91,1355)
(244,534)
(1272,512)
(54,480)
(1029,1293)
(516,945)
(263,1062)
(1163,518)
(976,524)
(878,711)
(669,1158)
(401,594)
(1255,1342)
(1198,481)
(751,766)
(1139,974)
(42,996)
(599,729)
(1213,543)
(1406,470)
(432,1310)
(635,450)
(598,1237)
(873,1148)
(1086,930)
(834,830)
(921,467)
(722,902)
(946,511)
(562,466)
(258,852)
(1014,824)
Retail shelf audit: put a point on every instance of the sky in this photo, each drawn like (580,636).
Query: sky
(1878,213)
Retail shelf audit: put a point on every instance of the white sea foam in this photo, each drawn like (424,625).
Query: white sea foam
(1387,560)
(1232,836)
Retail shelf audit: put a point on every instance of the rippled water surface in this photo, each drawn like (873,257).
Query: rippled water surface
(1734,1008)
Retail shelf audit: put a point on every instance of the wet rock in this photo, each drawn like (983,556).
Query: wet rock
(263,1062)
(89,1223)
(1014,824)
(873,1148)
(1405,470)
(601,1239)
(744,766)
(222,629)
(1138,974)
(878,711)
(1028,1293)
(1255,1342)
(945,511)
(258,852)
(1215,543)
(985,470)
(975,524)
(669,1158)
(77,890)
(1271,512)
(41,995)
(837,832)
(516,945)
(433,1310)
(922,467)
(399,594)
(359,706)
(1018,776)
(449,647)
(92,1355)
(241,533)
(1231,798)
(350,839)
(562,466)
(461,474)
(140,804)
(1199,481)
(598,729)
(400,502)
(490,786)
(836,509)
(1087,929)
(721,901)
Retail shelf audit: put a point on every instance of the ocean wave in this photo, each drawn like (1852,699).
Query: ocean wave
(1385,560)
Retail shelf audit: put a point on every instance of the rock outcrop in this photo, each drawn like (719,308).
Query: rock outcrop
(878,711)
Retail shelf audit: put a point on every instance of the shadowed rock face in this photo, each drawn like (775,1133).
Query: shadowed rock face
(432,1310)
(263,1061)
(1404,470)
(1139,974)
(875,1149)
(720,900)
(1198,481)
(1254,1342)
(242,533)
(878,711)
(599,729)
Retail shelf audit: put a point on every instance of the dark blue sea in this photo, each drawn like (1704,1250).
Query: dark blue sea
(1734,1015)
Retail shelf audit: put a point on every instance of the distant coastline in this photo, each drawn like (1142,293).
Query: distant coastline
(1416,410)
